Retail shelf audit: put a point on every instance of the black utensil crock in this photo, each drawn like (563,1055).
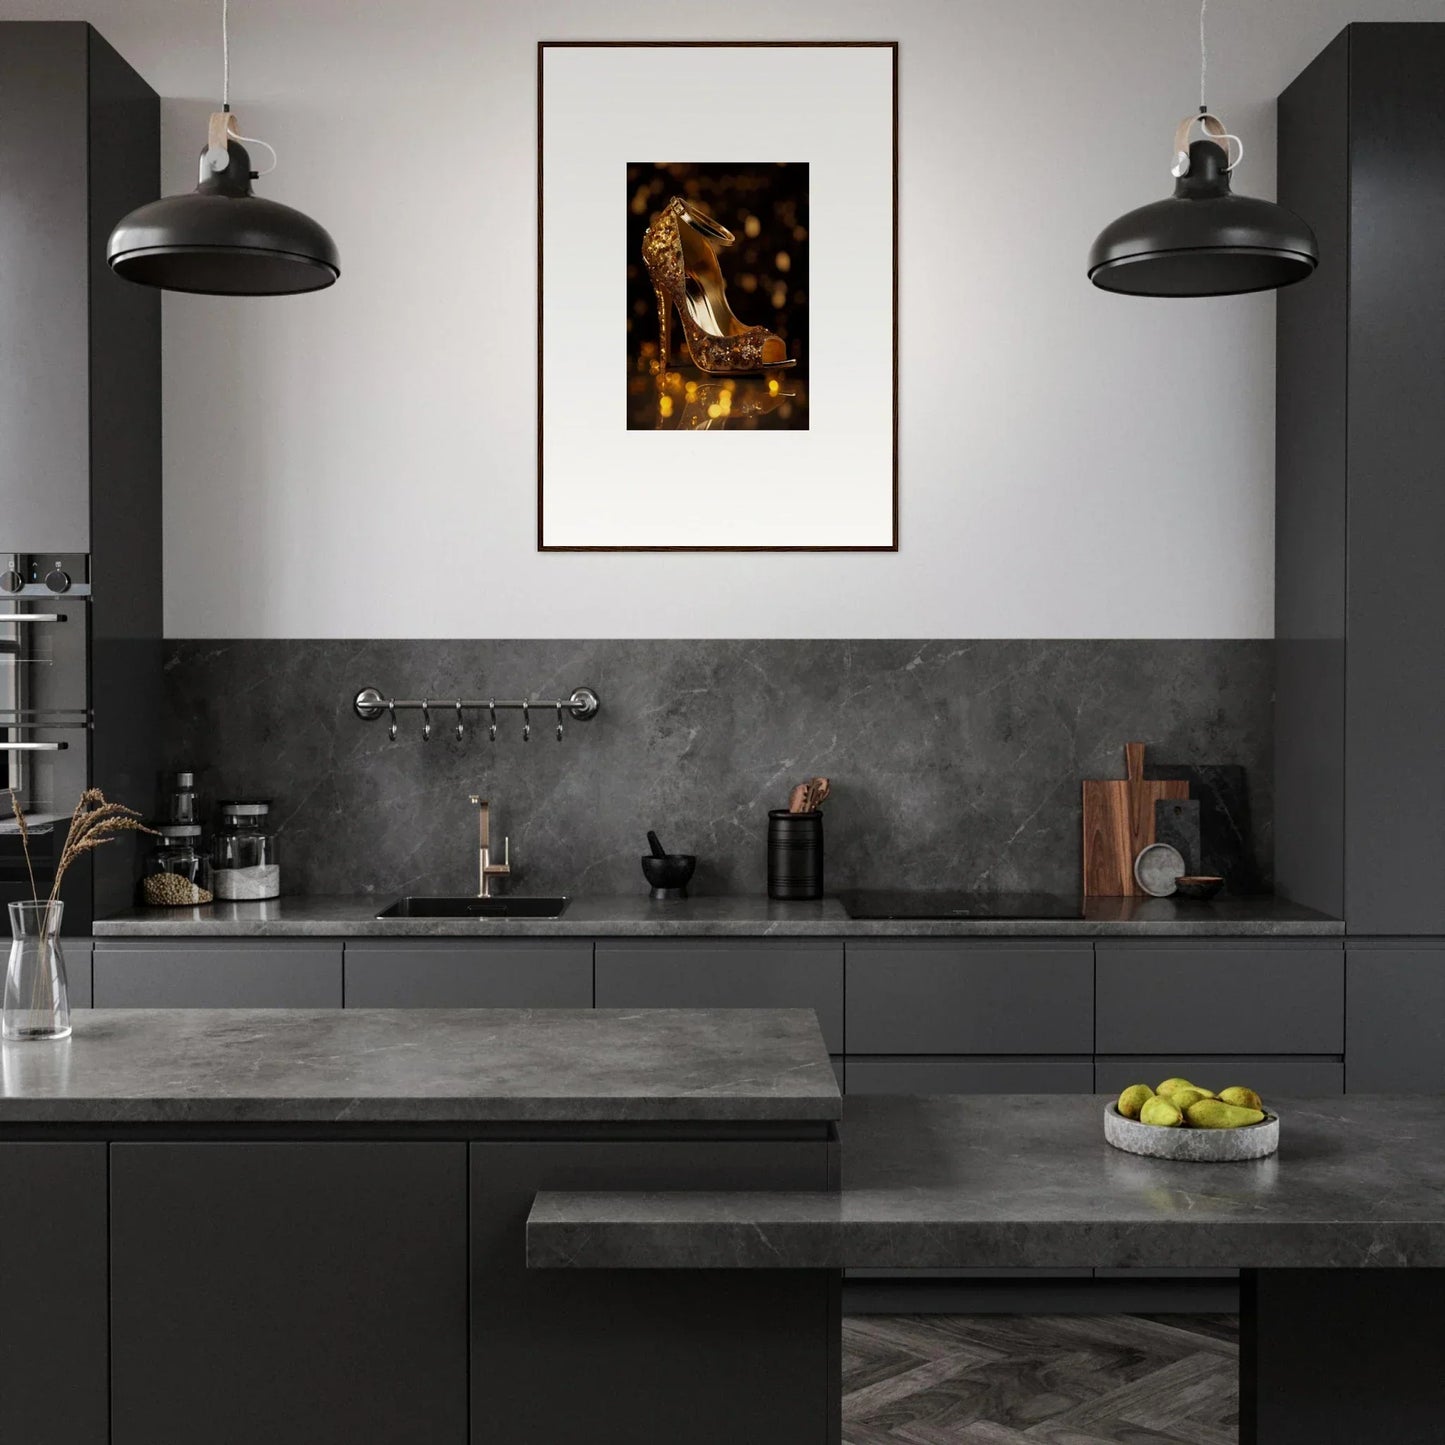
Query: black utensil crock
(795,854)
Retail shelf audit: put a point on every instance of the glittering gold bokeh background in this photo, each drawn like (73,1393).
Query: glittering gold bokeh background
(765,205)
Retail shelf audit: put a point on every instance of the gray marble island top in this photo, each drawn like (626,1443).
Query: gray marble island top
(740,916)
(423,1066)
(971,1181)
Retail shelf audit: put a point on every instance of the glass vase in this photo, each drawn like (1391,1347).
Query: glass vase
(37,1001)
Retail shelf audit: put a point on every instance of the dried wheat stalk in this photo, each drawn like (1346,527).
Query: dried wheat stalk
(24,840)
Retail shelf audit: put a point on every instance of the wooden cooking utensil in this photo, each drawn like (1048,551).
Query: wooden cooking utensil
(1119,822)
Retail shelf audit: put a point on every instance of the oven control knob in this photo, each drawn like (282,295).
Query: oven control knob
(11,581)
(58,581)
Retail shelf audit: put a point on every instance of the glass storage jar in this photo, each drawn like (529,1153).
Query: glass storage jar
(175,871)
(244,865)
(178,798)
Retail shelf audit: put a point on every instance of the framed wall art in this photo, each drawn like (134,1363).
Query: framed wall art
(717,296)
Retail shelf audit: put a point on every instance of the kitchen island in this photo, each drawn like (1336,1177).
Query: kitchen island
(1341,1235)
(309,1226)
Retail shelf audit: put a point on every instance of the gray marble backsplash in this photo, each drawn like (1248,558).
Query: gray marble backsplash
(954,764)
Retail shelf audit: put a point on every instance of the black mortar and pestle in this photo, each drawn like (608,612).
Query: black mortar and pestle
(667,872)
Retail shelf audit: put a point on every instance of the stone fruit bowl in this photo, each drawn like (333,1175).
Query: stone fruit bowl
(1195,1146)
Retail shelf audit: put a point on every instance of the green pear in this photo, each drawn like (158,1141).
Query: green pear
(1244,1098)
(1161,1112)
(1215,1114)
(1183,1098)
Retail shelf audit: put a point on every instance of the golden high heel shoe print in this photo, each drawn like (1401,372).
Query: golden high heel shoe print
(678,250)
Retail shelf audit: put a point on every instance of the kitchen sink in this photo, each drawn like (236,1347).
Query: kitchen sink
(475,908)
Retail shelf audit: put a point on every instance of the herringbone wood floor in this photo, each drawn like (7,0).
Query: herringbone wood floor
(1040,1380)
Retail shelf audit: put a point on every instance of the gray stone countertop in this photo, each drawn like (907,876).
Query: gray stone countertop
(711,917)
(971,1181)
(456,1066)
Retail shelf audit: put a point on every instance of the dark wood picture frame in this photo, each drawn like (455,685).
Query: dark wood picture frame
(542,47)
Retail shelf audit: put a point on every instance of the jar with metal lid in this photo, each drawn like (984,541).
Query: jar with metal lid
(174,875)
(244,864)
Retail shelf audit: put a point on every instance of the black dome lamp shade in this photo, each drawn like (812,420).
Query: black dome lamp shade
(1203,240)
(222,239)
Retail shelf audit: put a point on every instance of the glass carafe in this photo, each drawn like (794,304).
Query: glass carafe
(37,1001)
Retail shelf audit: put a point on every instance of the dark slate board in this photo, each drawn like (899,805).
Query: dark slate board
(1222,790)
(1176,822)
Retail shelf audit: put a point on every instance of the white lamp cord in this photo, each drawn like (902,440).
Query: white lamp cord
(217,159)
(1215,130)
(1203,53)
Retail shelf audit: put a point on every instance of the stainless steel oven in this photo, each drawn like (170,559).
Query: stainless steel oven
(45,713)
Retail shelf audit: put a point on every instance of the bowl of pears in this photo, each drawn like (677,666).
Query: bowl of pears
(1182,1120)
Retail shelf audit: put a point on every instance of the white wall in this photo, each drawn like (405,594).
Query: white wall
(321,450)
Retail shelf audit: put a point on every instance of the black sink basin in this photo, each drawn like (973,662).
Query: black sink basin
(475,908)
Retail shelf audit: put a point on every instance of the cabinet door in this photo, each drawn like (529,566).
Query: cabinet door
(53,1332)
(1160,996)
(970,1076)
(77,953)
(646,1356)
(44,229)
(742,973)
(1395,1005)
(289,1293)
(950,996)
(269,973)
(511,973)
(1297,1077)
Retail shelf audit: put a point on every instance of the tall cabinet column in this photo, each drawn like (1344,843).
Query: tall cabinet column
(1360,536)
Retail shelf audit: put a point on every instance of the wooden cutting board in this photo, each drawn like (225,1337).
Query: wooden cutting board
(1119,822)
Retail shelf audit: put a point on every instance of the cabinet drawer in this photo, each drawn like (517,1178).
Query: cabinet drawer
(517,973)
(77,953)
(1301,1078)
(751,974)
(1220,998)
(970,1076)
(947,997)
(1396,1007)
(271,974)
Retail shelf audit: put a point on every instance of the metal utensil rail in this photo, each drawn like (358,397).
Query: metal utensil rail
(369,704)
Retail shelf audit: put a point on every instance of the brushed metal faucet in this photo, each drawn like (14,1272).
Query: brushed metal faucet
(486,869)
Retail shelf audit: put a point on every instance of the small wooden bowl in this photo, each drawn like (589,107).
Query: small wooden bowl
(1199,886)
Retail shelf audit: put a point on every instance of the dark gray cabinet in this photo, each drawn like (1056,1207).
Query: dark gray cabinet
(77,953)
(54,1337)
(1395,1012)
(44,122)
(366,1245)
(738,973)
(951,996)
(201,973)
(1300,1076)
(80,394)
(752,1364)
(498,973)
(1159,996)
(970,1076)
(1360,507)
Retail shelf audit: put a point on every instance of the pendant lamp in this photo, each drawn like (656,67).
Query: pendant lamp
(222,239)
(1203,240)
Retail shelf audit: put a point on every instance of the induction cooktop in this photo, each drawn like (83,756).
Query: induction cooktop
(901,903)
